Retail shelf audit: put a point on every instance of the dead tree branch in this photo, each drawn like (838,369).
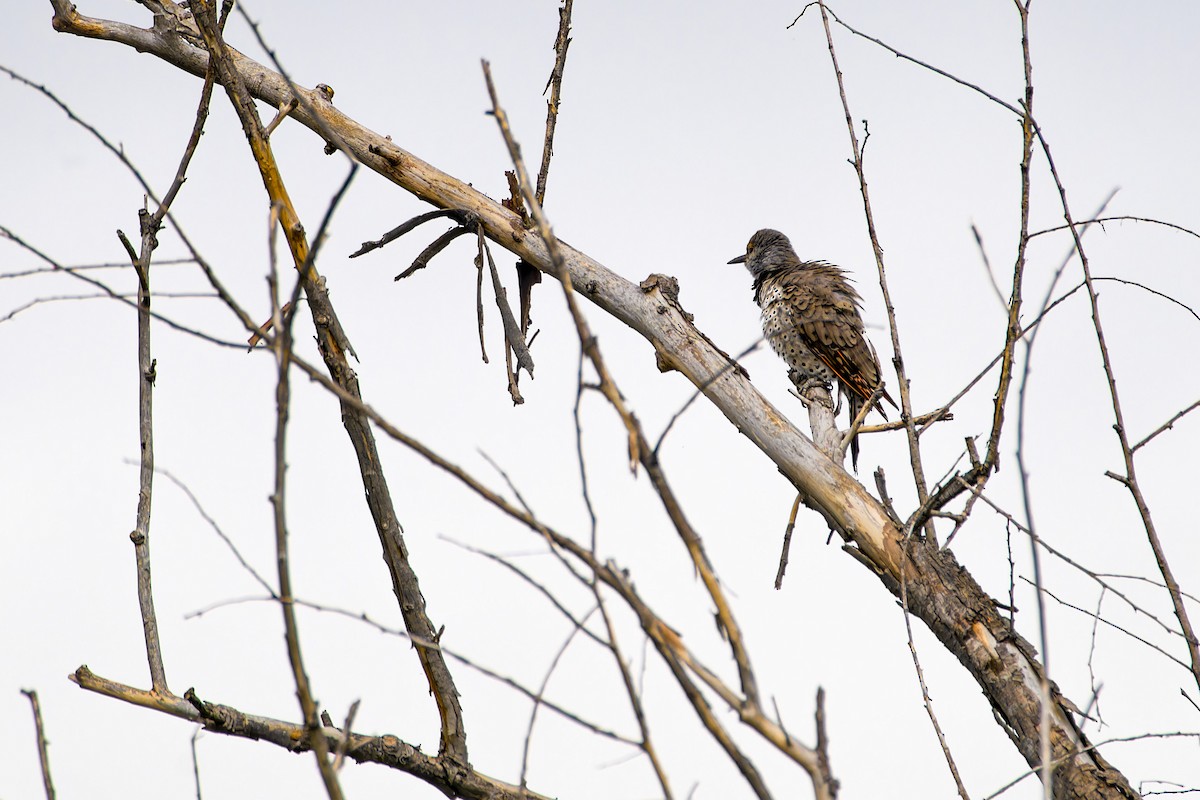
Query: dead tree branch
(40,731)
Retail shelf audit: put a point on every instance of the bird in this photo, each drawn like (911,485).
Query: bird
(811,318)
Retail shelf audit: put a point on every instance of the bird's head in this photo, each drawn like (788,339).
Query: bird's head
(767,250)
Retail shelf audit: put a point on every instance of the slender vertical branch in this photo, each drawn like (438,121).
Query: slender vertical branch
(196,763)
(149,225)
(914,445)
(40,729)
(141,533)
(554,86)
(1013,333)
(282,346)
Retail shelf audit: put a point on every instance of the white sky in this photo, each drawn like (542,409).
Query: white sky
(684,128)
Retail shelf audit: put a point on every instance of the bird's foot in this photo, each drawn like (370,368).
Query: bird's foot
(812,389)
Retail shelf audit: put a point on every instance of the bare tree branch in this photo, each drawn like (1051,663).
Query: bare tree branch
(386,750)
(40,731)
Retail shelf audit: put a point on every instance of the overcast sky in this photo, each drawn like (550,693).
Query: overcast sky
(684,128)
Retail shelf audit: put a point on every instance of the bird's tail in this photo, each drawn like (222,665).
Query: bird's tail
(856,403)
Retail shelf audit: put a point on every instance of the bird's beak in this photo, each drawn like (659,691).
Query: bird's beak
(739,260)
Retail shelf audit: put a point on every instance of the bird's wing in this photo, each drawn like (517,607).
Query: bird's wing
(829,322)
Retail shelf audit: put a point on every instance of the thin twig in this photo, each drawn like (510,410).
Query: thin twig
(25,273)
(635,700)
(147,370)
(1122,218)
(987,268)
(347,726)
(403,228)
(40,731)
(537,700)
(926,700)
(513,338)
(438,245)
(1109,623)
(787,544)
(561,42)
(61,298)
(196,762)
(1075,752)
(480,241)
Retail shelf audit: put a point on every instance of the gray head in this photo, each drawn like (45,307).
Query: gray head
(766,251)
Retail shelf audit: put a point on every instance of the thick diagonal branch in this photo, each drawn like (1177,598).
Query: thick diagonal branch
(332,344)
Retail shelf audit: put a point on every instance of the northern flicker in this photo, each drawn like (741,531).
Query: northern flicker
(810,316)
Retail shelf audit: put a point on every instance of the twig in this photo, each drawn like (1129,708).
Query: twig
(149,225)
(479,290)
(584,486)
(787,544)
(212,523)
(24,273)
(1122,218)
(977,475)
(823,743)
(40,730)
(537,700)
(1098,577)
(554,85)
(987,268)
(926,700)
(731,365)
(398,231)
(437,246)
(513,338)
(1074,753)
(472,664)
(1144,287)
(347,726)
(282,347)
(196,762)
(281,114)
(121,297)
(1096,618)
(61,298)
(538,587)
(635,700)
